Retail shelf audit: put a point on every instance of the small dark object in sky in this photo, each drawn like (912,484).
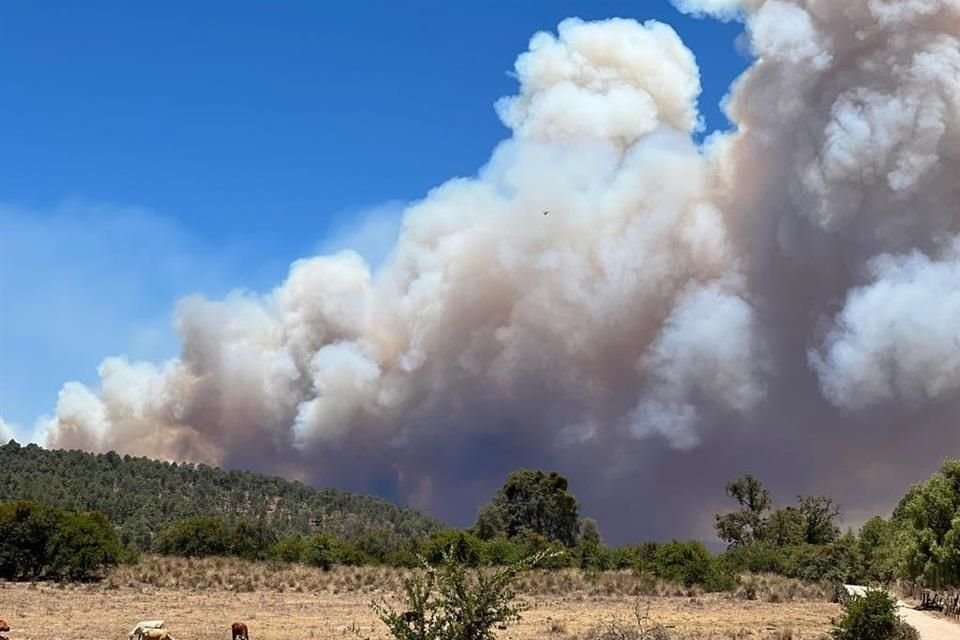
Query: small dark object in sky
(545,212)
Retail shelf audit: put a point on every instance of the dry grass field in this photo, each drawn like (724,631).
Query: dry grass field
(200,599)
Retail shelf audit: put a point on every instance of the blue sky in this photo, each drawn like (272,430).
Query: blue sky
(152,150)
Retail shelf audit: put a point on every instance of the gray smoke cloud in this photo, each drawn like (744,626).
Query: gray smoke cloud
(783,300)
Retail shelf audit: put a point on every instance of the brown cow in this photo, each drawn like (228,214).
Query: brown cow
(239,631)
(4,627)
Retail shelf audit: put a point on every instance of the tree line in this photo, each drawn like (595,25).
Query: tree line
(255,518)
(920,542)
(39,541)
(142,497)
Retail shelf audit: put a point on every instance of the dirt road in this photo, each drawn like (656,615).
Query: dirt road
(929,626)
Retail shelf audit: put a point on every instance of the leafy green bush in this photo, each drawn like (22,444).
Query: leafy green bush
(500,551)
(872,617)
(637,557)
(466,548)
(38,541)
(197,538)
(321,550)
(290,549)
(446,602)
(759,557)
(82,544)
(690,563)
(252,541)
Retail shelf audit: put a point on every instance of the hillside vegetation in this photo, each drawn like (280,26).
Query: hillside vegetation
(196,511)
(142,497)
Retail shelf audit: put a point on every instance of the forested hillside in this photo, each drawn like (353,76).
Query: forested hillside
(142,496)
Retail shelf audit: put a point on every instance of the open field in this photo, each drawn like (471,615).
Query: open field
(199,600)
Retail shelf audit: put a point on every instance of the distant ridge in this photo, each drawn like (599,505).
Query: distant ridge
(141,496)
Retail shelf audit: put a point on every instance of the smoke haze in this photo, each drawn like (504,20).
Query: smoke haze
(782,300)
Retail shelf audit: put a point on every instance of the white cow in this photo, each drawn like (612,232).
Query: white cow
(144,625)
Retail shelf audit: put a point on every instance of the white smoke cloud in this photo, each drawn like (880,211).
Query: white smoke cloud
(898,337)
(672,296)
(719,9)
(706,349)
(481,288)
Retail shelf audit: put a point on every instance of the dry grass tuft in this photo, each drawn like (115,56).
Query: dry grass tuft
(775,589)
(240,576)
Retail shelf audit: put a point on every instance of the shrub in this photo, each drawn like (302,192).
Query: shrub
(37,541)
(252,541)
(872,617)
(82,544)
(690,563)
(196,538)
(759,557)
(501,551)
(320,550)
(446,602)
(552,555)
(635,557)
(290,549)
(465,547)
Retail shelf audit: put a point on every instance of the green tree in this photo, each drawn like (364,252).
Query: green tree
(532,501)
(879,549)
(637,557)
(929,517)
(82,545)
(199,537)
(252,541)
(746,525)
(820,517)
(590,550)
(502,551)
(690,563)
(289,549)
(466,548)
(39,541)
(25,531)
(786,527)
(322,550)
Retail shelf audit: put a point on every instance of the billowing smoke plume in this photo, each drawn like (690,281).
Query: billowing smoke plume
(784,300)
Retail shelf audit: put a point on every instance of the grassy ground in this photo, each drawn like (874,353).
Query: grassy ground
(199,600)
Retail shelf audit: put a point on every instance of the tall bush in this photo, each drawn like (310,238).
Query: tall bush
(449,602)
(872,617)
(39,541)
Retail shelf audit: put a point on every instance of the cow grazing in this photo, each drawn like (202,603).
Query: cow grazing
(239,631)
(4,626)
(142,625)
(155,634)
